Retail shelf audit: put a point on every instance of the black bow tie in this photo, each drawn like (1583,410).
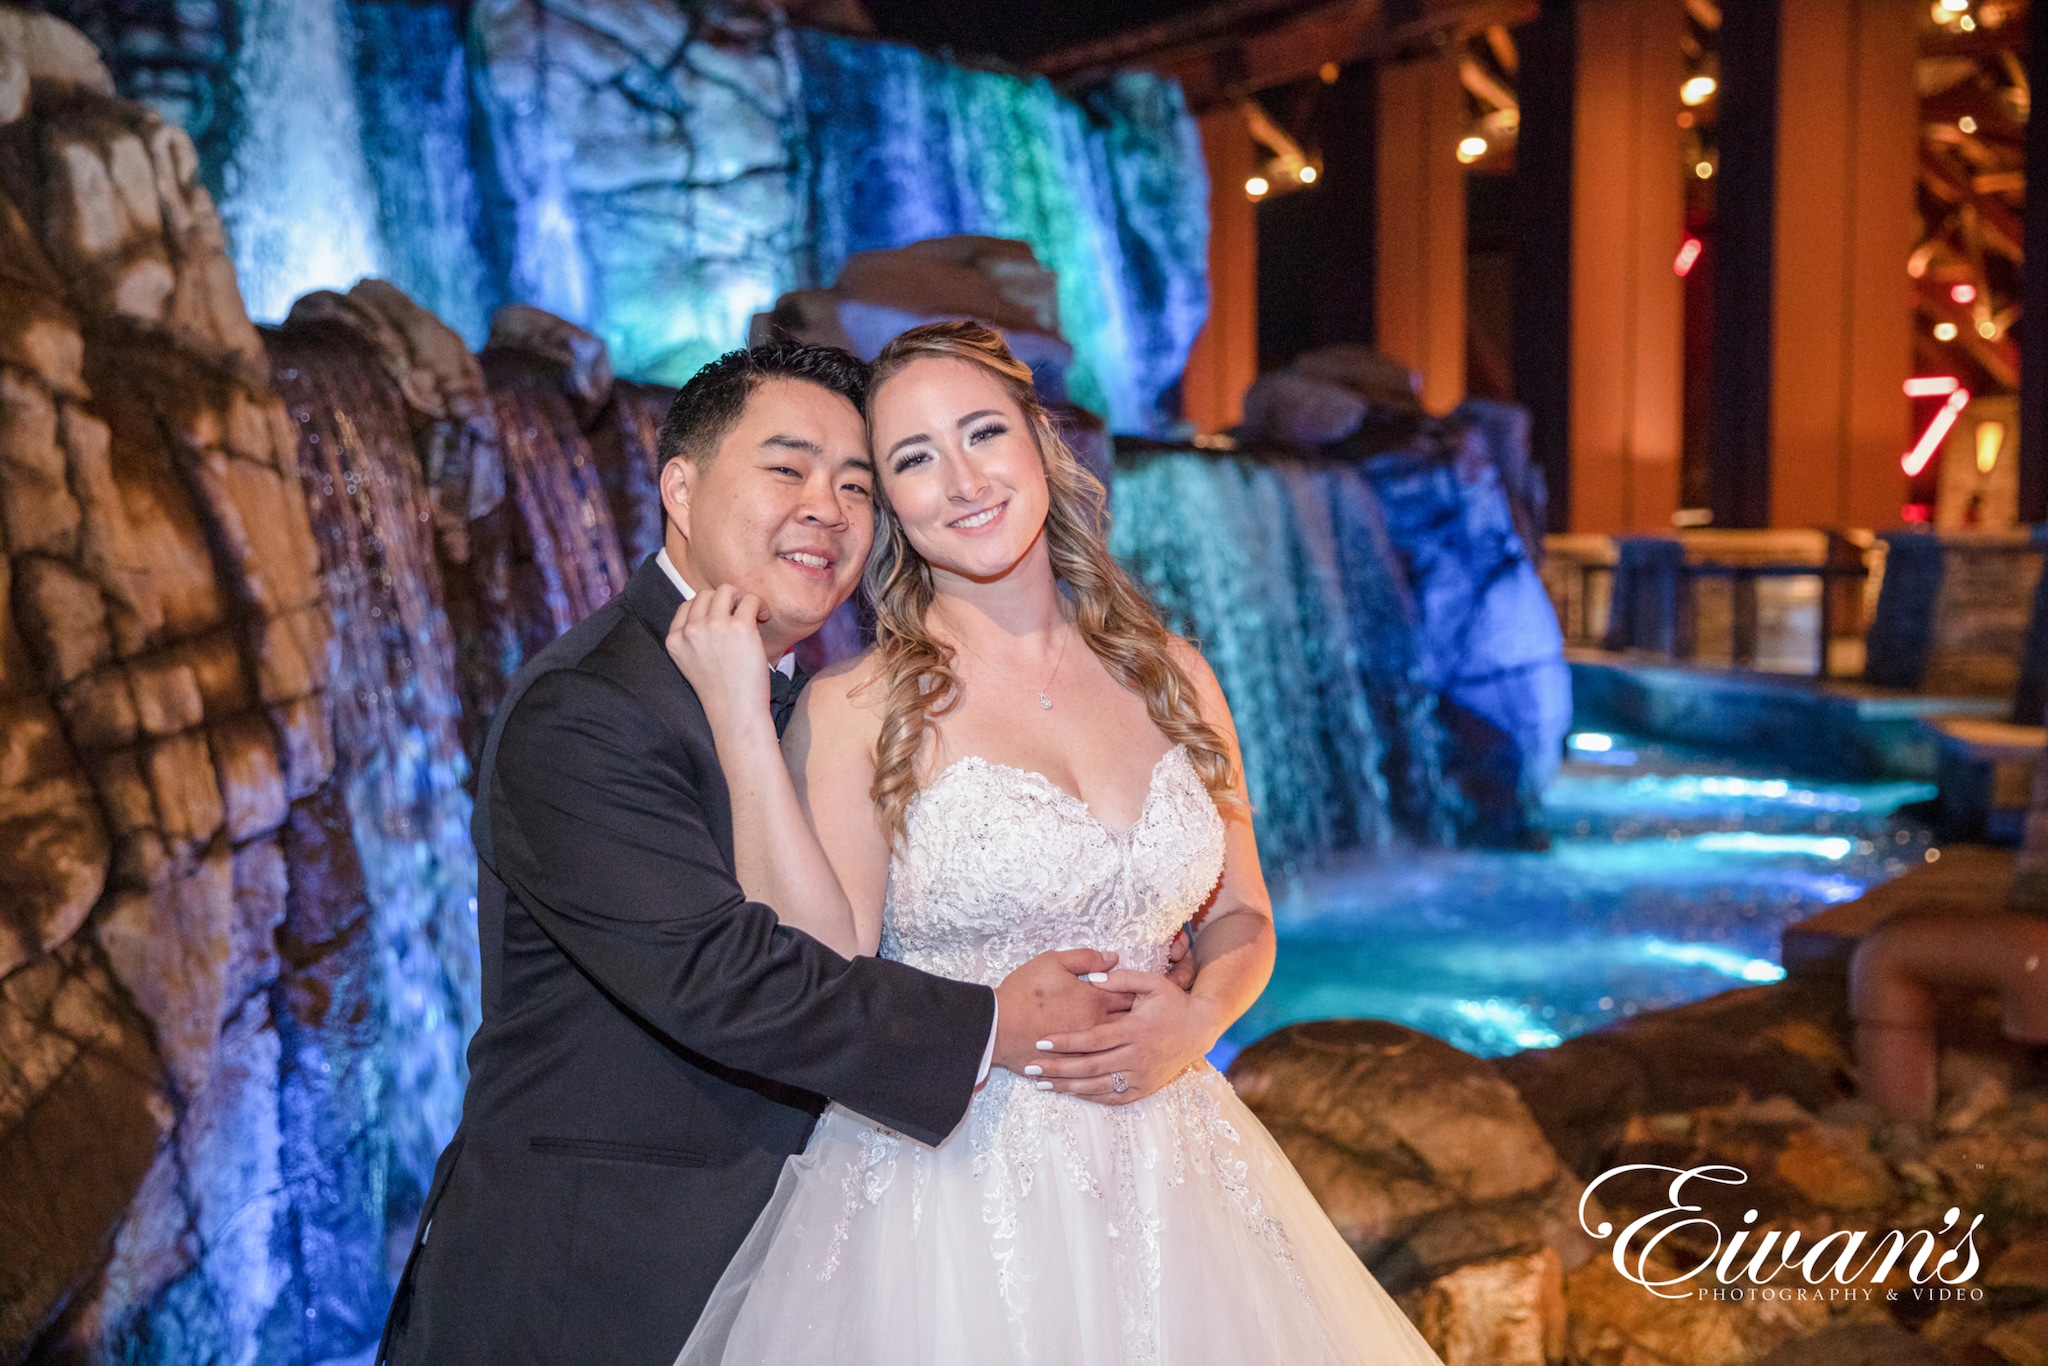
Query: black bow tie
(782,691)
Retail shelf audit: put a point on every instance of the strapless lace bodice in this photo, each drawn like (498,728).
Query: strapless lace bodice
(1047,1229)
(1000,864)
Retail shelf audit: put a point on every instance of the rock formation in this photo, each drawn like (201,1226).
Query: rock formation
(171,937)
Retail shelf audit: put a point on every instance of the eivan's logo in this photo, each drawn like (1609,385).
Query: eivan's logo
(1827,1262)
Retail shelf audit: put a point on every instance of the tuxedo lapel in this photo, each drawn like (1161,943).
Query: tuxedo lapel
(654,678)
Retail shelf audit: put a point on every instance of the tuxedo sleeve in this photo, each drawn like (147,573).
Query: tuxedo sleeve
(597,828)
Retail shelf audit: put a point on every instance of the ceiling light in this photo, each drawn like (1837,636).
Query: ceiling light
(1967,24)
(1954,6)
(1698,90)
(1306,175)
(1256,186)
(1987,329)
(1963,293)
(1471,148)
(1967,124)
(1944,331)
(1703,169)
(1688,255)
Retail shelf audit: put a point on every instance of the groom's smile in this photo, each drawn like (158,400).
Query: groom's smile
(782,509)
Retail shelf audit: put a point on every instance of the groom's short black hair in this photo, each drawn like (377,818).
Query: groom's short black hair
(706,408)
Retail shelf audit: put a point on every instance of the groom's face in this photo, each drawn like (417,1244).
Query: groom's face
(784,509)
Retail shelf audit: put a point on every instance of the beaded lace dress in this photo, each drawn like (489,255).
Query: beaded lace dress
(1046,1228)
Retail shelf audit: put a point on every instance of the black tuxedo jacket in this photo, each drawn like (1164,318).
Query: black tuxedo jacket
(653,1044)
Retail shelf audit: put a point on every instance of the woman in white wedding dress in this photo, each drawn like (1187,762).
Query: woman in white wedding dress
(1027,760)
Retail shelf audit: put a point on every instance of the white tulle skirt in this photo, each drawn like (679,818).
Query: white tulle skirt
(1051,1230)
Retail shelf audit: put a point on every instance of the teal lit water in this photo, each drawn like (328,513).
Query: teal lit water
(1669,878)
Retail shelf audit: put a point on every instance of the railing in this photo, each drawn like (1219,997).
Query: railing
(1653,599)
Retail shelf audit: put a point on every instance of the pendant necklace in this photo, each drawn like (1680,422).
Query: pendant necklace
(1044,701)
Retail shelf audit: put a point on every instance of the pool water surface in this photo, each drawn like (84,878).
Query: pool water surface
(1669,878)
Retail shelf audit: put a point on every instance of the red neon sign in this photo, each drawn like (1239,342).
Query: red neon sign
(1923,450)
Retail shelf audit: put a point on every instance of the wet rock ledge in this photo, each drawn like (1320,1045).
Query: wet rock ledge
(1457,1180)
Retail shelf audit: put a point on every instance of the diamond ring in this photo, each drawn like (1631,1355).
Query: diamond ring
(1117,1083)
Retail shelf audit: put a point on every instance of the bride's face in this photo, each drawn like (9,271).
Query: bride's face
(956,459)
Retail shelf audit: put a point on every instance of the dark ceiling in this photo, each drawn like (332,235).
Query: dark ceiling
(1018,30)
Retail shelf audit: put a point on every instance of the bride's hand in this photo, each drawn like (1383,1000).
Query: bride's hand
(1165,1032)
(715,639)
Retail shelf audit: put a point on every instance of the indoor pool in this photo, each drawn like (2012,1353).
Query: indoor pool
(1669,878)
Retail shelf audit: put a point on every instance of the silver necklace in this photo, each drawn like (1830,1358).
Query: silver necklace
(1044,701)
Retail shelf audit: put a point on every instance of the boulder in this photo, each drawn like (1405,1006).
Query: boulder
(81,1115)
(882,293)
(1293,409)
(1423,1157)
(1506,1312)
(1615,1322)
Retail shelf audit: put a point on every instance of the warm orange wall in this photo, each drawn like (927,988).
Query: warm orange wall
(1419,266)
(1225,357)
(1848,139)
(1628,218)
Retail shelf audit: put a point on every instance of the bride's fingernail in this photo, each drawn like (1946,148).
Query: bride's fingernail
(1097,977)
(1034,1070)
(1045,1045)
(1043,1085)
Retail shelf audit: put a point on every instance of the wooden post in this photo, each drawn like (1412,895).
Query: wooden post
(1225,357)
(1848,136)
(1543,244)
(1419,267)
(1745,212)
(2034,304)
(1819,148)
(1627,303)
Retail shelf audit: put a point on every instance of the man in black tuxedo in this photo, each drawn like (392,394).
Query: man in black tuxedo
(654,1045)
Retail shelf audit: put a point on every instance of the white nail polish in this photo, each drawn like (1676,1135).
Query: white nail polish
(1043,1085)
(1045,1045)
(1034,1070)
(1098,977)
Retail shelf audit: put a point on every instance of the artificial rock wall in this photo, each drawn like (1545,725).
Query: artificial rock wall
(261,591)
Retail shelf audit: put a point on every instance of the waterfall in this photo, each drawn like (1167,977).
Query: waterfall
(1281,573)
(297,195)
(395,722)
(1112,197)
(412,87)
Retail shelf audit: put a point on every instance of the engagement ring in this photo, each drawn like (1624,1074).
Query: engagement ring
(1117,1083)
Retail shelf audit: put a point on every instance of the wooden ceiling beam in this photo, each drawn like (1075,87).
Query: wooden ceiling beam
(1224,52)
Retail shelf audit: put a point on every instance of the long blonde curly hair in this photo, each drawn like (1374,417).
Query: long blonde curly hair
(914,668)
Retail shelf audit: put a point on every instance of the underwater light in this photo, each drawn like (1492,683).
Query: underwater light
(1750,842)
(1516,1022)
(1727,962)
(1591,742)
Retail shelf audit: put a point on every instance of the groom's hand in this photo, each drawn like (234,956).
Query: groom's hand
(1051,995)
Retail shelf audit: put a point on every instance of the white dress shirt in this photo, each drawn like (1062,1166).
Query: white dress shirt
(787,667)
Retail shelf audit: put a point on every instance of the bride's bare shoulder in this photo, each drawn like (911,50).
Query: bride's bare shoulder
(844,702)
(1188,655)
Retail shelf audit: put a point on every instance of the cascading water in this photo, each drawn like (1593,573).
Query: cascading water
(1113,198)
(395,721)
(1303,622)
(412,88)
(297,194)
